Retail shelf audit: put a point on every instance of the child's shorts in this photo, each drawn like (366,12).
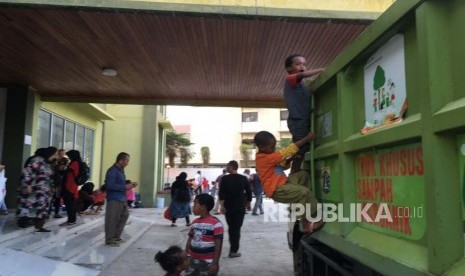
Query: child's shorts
(197,268)
(299,129)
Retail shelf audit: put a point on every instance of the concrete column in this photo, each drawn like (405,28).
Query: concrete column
(18,124)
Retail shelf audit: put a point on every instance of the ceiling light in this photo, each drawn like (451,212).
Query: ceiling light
(110,72)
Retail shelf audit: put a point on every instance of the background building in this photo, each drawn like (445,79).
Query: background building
(224,129)
(98,131)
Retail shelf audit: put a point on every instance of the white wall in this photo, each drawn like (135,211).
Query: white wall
(209,173)
(221,129)
(215,127)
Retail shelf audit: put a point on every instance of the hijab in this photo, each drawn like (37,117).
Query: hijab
(74,155)
(45,153)
(88,187)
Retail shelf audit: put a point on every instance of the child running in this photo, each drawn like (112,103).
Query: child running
(298,102)
(270,166)
(174,260)
(205,239)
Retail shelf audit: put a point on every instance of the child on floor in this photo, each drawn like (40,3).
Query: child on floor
(205,239)
(99,198)
(173,260)
(270,166)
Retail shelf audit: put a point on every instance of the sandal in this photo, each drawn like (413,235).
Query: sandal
(313,227)
(42,230)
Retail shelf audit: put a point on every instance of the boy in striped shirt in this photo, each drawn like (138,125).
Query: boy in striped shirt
(205,239)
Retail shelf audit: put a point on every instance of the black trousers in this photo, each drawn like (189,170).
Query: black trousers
(188,220)
(24,222)
(234,220)
(56,204)
(70,203)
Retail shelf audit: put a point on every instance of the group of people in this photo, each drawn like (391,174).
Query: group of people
(200,185)
(48,176)
(205,237)
(48,180)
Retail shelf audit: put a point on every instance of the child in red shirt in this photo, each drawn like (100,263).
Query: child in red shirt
(99,198)
(205,239)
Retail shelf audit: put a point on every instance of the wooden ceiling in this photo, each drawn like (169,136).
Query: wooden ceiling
(161,58)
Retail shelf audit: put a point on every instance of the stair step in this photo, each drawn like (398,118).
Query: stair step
(31,241)
(66,247)
(81,245)
(99,255)
(9,230)
(13,262)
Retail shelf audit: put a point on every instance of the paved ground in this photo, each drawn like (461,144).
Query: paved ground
(79,250)
(263,246)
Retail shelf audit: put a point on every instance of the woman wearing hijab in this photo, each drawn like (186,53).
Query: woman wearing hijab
(180,199)
(70,190)
(35,191)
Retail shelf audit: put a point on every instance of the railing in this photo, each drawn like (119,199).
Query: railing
(317,259)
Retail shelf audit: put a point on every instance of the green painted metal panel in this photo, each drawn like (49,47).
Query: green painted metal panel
(393,178)
(461,155)
(430,139)
(328,187)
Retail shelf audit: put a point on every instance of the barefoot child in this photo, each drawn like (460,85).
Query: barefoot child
(298,102)
(99,198)
(270,166)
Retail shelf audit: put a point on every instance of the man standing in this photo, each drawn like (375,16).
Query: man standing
(249,178)
(258,192)
(116,213)
(233,204)
(198,183)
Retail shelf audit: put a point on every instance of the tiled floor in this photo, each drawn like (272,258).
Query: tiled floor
(80,250)
(77,249)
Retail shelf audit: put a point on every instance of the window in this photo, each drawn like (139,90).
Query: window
(283,114)
(62,133)
(44,128)
(249,117)
(89,145)
(79,143)
(69,135)
(58,125)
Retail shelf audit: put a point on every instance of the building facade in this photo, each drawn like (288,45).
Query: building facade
(223,130)
(99,132)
